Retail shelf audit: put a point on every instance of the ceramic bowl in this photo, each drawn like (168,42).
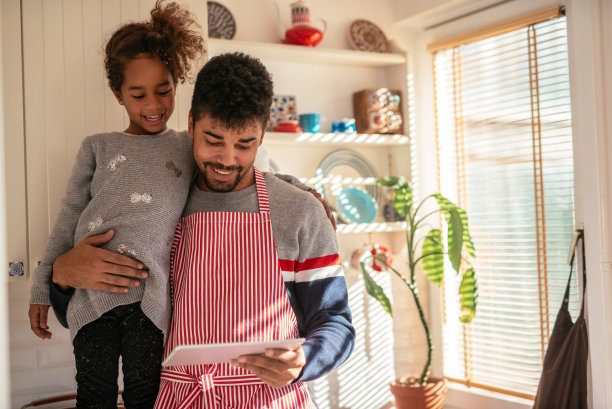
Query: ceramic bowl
(356,205)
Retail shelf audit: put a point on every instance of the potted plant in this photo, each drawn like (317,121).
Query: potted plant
(459,250)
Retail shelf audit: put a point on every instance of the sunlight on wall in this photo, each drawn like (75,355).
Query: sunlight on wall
(362,382)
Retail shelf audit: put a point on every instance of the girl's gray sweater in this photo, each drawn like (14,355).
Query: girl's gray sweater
(136,185)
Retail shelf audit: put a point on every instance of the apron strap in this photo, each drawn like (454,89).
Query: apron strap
(262,192)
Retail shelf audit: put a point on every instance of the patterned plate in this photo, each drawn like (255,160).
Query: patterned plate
(221,23)
(367,36)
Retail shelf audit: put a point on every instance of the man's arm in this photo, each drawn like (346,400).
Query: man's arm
(87,266)
(319,299)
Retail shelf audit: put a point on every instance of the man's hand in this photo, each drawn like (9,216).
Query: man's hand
(38,320)
(277,368)
(87,266)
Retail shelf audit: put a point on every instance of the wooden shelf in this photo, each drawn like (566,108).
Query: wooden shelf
(338,138)
(296,53)
(359,228)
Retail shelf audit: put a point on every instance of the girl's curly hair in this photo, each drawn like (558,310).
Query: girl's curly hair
(172,35)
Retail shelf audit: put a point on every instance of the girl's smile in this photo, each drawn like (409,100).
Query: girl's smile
(148,93)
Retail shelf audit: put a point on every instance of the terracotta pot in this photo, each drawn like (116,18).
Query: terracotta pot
(430,396)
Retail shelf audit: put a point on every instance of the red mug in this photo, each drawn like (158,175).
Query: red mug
(288,126)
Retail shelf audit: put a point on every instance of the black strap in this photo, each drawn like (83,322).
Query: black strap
(569,281)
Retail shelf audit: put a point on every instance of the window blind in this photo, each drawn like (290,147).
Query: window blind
(505,154)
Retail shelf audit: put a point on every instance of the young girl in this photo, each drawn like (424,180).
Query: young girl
(136,183)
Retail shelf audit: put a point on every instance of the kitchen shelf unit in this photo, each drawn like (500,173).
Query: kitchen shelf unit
(336,139)
(326,80)
(314,55)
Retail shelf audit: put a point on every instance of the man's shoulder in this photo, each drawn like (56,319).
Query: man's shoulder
(284,194)
(283,190)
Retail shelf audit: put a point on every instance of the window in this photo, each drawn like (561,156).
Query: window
(505,154)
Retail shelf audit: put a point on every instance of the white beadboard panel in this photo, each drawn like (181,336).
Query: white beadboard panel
(114,115)
(17,402)
(74,74)
(18,292)
(35,127)
(145,7)
(50,381)
(58,405)
(23,359)
(14,151)
(18,313)
(130,10)
(55,356)
(93,65)
(57,161)
(21,335)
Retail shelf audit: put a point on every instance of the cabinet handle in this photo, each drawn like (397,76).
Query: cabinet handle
(16,269)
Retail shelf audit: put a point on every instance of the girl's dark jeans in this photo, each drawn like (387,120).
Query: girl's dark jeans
(125,332)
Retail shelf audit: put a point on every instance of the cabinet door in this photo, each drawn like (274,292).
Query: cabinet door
(14,153)
(67,97)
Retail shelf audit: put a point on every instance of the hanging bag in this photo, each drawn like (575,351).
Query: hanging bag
(563,384)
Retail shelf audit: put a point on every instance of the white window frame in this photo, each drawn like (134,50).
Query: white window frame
(590,54)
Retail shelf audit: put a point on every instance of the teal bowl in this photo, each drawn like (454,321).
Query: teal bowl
(356,205)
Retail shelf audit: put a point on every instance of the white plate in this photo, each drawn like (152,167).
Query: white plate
(342,159)
(216,353)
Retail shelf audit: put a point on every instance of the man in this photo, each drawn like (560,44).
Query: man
(253,259)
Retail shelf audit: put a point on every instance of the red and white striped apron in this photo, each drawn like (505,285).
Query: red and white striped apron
(227,287)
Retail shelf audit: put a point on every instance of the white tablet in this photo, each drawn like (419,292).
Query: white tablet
(216,353)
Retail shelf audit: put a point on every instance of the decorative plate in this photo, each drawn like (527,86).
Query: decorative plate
(221,23)
(367,36)
(339,164)
(356,205)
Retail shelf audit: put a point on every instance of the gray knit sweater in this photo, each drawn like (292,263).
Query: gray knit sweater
(136,185)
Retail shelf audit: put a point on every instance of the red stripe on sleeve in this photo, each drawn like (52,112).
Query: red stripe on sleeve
(311,263)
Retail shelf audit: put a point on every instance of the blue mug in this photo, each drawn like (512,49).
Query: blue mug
(310,122)
(344,125)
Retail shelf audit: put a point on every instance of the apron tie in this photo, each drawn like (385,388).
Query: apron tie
(205,385)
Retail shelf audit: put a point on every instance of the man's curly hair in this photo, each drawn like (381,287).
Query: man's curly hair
(233,89)
(172,35)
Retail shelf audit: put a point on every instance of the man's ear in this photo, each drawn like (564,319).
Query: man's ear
(118,96)
(190,125)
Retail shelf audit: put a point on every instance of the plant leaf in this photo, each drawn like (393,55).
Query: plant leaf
(467,237)
(468,296)
(455,230)
(455,238)
(433,257)
(402,199)
(375,290)
(391,181)
(446,205)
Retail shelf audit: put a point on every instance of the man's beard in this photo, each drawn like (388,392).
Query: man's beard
(218,186)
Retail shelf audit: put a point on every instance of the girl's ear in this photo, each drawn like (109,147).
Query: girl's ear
(118,96)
